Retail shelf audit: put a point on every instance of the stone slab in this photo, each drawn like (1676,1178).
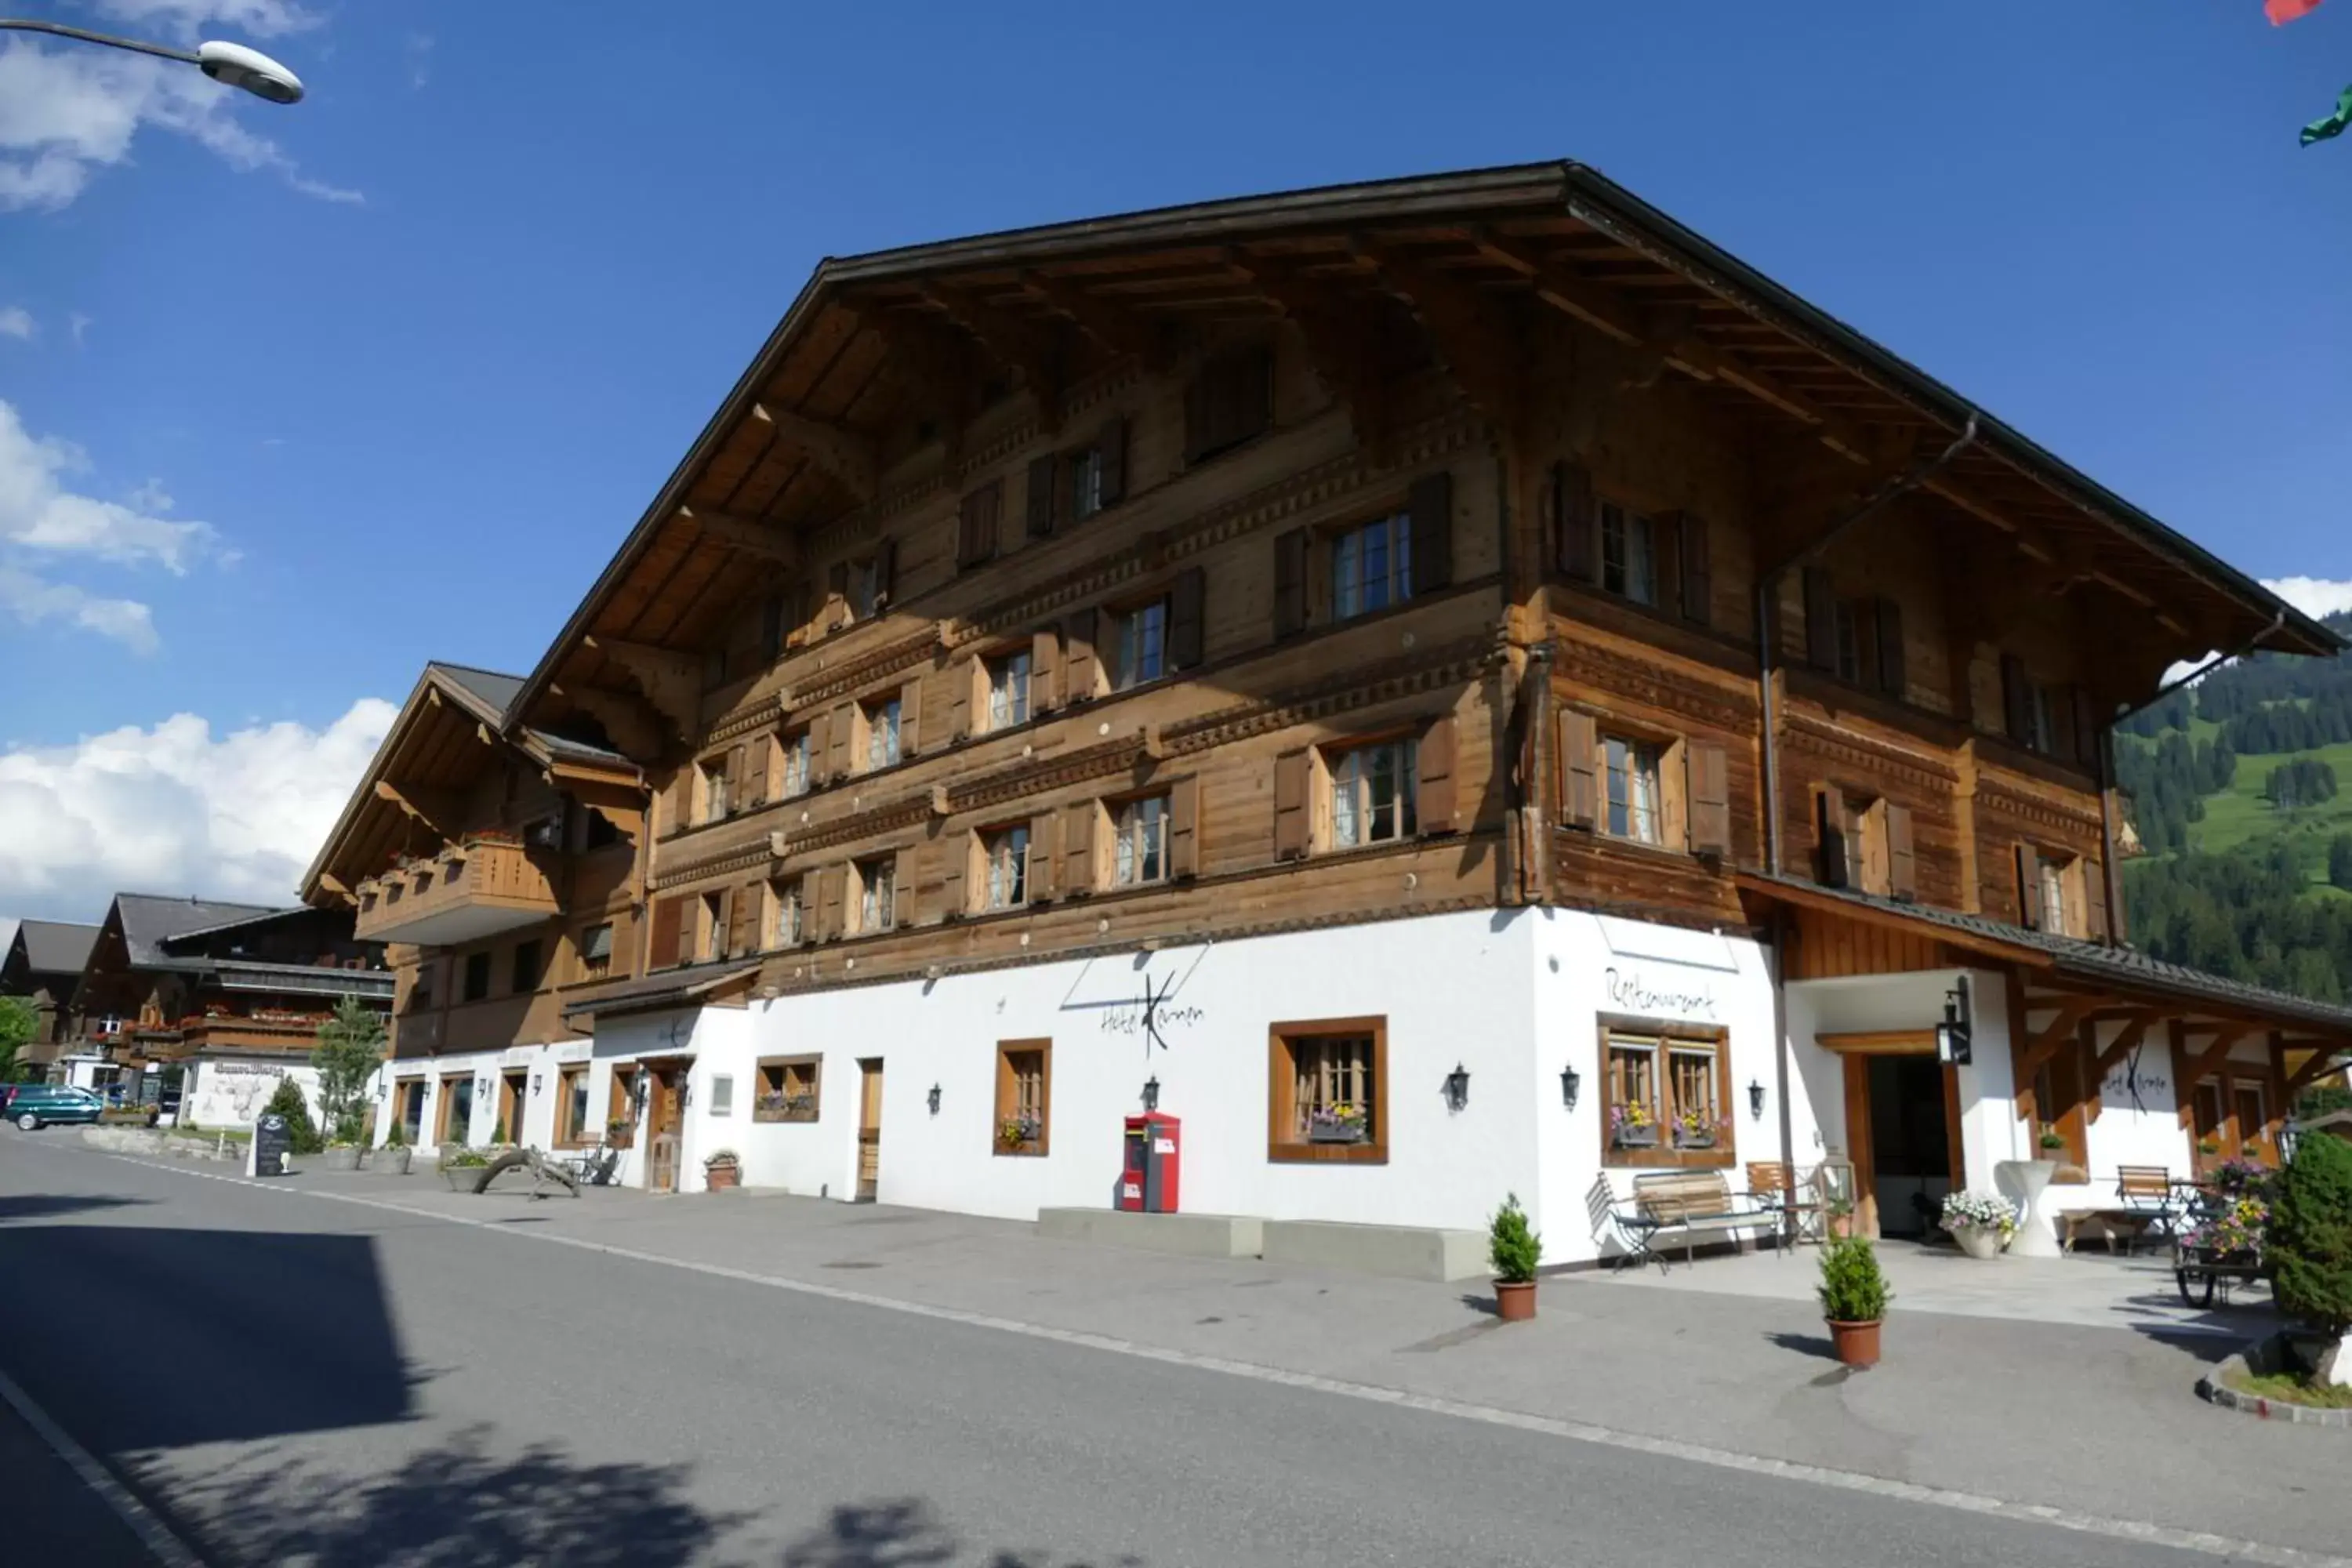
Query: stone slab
(1399,1251)
(1190,1235)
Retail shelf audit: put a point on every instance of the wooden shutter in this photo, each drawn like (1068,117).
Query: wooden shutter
(1289,582)
(1698,575)
(902,888)
(765,780)
(1040,501)
(1894,678)
(1290,815)
(665,934)
(844,735)
(2016,699)
(743,918)
(960,676)
(682,797)
(1902,854)
(1431,508)
(1185,829)
(911,708)
(2086,727)
(2063,741)
(1579,539)
(1832,848)
(976,523)
(1434,764)
(1078,848)
(1580,765)
(740,792)
(1821,619)
(957,848)
(1044,672)
(1709,779)
(1110,452)
(2094,899)
(1078,662)
(820,750)
(812,907)
(1666,563)
(831,884)
(2028,887)
(1187,611)
(1040,858)
(886,571)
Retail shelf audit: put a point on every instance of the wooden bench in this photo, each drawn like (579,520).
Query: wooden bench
(2143,1202)
(1691,1204)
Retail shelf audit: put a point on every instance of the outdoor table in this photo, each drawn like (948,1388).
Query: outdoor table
(2034,1236)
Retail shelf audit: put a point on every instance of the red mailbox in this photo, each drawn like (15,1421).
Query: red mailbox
(1146,1185)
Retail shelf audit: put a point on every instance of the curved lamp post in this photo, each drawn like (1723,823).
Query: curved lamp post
(232,64)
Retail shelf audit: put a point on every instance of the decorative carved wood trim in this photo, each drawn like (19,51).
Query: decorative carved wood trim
(768,710)
(1804,732)
(1452,665)
(2033,810)
(1659,685)
(741,858)
(889,661)
(898,814)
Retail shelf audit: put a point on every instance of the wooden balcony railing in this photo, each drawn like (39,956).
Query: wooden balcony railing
(474,889)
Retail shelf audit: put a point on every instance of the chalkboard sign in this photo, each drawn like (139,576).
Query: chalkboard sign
(272,1142)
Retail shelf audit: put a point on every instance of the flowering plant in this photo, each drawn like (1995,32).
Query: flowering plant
(1338,1122)
(1982,1210)
(1019,1130)
(2238,1227)
(2052,1138)
(1632,1114)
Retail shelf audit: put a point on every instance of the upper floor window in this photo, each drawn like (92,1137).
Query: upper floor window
(595,945)
(1142,654)
(976,521)
(1005,852)
(1008,691)
(1635,801)
(420,989)
(478,976)
(1372,567)
(861,585)
(788,764)
(710,927)
(710,789)
(1372,793)
(881,733)
(2053,891)
(772,627)
(786,917)
(527,966)
(1230,400)
(1139,842)
(1083,472)
(1628,561)
(876,900)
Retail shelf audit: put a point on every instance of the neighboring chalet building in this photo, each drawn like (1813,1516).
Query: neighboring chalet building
(1275,653)
(44,965)
(230,995)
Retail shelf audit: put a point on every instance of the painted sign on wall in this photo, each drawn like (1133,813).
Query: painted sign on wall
(1654,994)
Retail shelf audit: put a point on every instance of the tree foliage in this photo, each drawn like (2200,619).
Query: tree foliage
(2245,915)
(291,1103)
(350,1049)
(17,1021)
(2309,1242)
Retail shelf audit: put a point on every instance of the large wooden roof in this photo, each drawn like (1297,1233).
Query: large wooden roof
(882,353)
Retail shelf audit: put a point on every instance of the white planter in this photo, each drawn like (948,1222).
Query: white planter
(1978,1240)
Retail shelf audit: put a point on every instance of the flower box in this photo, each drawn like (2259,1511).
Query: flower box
(1686,1139)
(1635,1138)
(1337,1132)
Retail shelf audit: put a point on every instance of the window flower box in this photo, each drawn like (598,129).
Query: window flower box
(1019,1135)
(1698,1132)
(1338,1124)
(1633,1126)
(774,1106)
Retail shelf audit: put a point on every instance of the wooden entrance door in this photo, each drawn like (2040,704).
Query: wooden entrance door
(1860,1136)
(666,1107)
(870,1128)
(514,1094)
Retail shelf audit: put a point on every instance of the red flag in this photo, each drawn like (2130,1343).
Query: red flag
(2282,12)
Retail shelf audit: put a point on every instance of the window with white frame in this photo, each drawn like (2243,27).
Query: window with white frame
(789,765)
(1142,653)
(1664,1099)
(1633,797)
(877,890)
(1139,841)
(864,587)
(710,789)
(1371,793)
(1627,564)
(786,917)
(1085,475)
(1008,691)
(1372,567)
(881,735)
(1005,852)
(2055,915)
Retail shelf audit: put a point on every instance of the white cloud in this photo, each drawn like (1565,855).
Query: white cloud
(186,19)
(16,322)
(33,600)
(2312,596)
(79,324)
(67,111)
(174,809)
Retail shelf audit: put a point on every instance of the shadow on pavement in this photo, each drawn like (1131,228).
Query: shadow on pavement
(1805,1345)
(43,1206)
(906,1533)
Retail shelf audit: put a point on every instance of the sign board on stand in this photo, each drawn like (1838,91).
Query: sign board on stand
(273,1141)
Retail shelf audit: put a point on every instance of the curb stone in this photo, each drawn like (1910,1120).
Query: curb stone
(2262,1357)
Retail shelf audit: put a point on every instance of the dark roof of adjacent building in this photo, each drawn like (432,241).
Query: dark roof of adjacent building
(150,919)
(660,990)
(2096,962)
(55,947)
(494,690)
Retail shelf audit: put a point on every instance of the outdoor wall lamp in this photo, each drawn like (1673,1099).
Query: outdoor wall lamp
(535,1083)
(1952,1036)
(1570,1081)
(1755,1099)
(1457,1088)
(1151,1093)
(934,1097)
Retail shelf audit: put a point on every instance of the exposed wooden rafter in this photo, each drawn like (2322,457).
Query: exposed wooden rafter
(1029,347)
(632,722)
(1485,357)
(670,680)
(764,540)
(1118,331)
(1341,343)
(2043,1043)
(847,456)
(932,368)
(2205,1064)
(437,810)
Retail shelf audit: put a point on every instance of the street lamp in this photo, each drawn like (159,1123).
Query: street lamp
(233,65)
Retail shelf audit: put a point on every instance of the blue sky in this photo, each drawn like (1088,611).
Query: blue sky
(419,359)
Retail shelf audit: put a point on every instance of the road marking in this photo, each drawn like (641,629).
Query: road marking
(2196,1541)
(152,1532)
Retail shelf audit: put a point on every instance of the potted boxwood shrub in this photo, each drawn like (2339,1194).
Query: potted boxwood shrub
(1854,1299)
(1514,1249)
(462,1169)
(339,1156)
(395,1153)
(1981,1224)
(722,1170)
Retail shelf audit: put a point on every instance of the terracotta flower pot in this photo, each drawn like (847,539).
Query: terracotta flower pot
(721,1177)
(1515,1300)
(1841,1226)
(1856,1343)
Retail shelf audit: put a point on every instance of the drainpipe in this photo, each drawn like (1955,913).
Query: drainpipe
(1536,786)
(1780,1075)
(1885,496)
(1513,869)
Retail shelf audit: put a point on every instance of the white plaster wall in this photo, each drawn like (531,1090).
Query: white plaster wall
(234,1094)
(1583,966)
(1453,987)
(2147,1134)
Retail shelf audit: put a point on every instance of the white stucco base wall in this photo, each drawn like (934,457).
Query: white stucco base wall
(234,1094)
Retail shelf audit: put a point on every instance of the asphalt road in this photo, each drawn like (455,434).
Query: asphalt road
(289,1380)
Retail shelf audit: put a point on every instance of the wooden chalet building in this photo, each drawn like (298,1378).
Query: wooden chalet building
(43,965)
(1456,684)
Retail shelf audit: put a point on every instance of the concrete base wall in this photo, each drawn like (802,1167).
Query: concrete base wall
(1190,1235)
(1403,1252)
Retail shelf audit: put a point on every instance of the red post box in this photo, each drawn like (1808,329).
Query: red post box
(1147,1184)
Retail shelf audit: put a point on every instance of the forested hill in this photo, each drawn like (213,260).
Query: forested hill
(2233,788)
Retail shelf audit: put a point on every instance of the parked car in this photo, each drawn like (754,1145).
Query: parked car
(37,1105)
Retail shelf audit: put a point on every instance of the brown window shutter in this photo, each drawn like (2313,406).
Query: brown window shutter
(742,793)
(1290,815)
(956,851)
(1289,583)
(665,932)
(1110,450)
(2094,899)
(2016,699)
(960,677)
(1078,848)
(1579,539)
(886,571)
(1078,664)
(834,882)
(2028,887)
(1902,854)
(976,523)
(1200,415)
(910,711)
(1698,575)
(836,580)
(1434,764)
(763,752)
(844,732)
(1188,607)
(2063,739)
(1254,393)
(1666,563)
(1580,767)
(902,890)
(2086,727)
(1044,672)
(1710,798)
(1833,849)
(743,909)
(1185,829)
(1820,618)
(1041,856)
(1042,471)
(1892,675)
(820,749)
(681,798)
(812,906)
(1431,506)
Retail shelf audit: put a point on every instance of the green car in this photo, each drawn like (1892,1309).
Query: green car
(36,1105)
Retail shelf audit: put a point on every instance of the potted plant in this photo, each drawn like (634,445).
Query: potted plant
(1514,1249)
(462,1168)
(722,1171)
(1694,1130)
(620,1130)
(1838,1216)
(1019,1133)
(1982,1223)
(340,1155)
(1632,1126)
(2052,1141)
(1854,1299)
(1341,1123)
(395,1153)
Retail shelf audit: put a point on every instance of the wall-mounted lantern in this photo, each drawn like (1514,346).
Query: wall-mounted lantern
(934,1098)
(1151,1093)
(1755,1100)
(1952,1036)
(537,1082)
(1570,1081)
(1457,1088)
